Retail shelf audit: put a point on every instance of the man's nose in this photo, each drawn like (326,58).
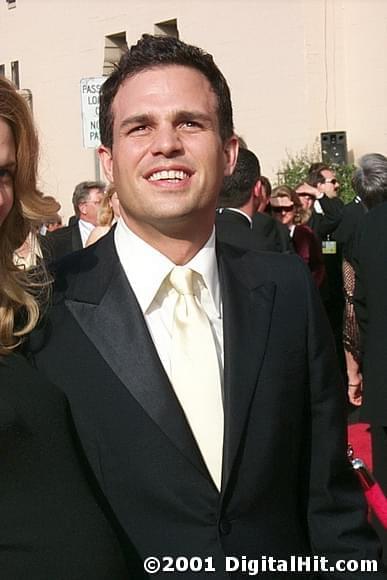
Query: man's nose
(166,141)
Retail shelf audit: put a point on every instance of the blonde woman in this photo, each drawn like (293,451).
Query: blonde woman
(52,525)
(108,214)
(286,207)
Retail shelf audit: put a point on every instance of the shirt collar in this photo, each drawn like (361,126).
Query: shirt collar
(146,268)
(85,229)
(237,210)
(86,225)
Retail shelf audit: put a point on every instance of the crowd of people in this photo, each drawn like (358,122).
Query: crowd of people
(170,387)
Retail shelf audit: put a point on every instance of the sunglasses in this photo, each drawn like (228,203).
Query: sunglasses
(332,181)
(283,208)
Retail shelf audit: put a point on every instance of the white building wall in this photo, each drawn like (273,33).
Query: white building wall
(295,68)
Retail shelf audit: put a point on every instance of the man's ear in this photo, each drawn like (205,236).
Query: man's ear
(106,158)
(319,186)
(82,208)
(231,148)
(257,190)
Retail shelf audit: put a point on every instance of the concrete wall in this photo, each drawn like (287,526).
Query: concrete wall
(295,68)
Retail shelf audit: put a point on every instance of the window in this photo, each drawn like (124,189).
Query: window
(15,73)
(2,70)
(115,45)
(167,28)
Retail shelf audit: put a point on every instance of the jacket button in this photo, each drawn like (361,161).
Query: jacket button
(225,527)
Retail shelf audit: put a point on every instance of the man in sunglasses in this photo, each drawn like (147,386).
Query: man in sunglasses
(323,179)
(319,197)
(319,194)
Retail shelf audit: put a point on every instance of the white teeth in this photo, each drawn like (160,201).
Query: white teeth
(170,174)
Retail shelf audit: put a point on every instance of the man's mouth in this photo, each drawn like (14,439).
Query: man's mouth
(171,175)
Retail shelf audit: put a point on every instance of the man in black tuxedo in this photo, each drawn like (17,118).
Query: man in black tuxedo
(87,198)
(319,196)
(238,204)
(266,472)
(370,258)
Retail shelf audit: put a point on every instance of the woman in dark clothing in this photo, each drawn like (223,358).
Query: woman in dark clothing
(54,524)
(286,207)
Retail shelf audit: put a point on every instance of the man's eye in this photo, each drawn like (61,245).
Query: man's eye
(191,124)
(138,129)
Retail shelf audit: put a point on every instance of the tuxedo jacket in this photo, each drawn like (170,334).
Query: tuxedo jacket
(53,520)
(63,241)
(345,234)
(324,225)
(370,257)
(235,229)
(266,226)
(287,487)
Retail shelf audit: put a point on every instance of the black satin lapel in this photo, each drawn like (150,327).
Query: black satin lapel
(247,311)
(117,329)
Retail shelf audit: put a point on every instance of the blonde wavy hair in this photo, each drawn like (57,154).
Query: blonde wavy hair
(105,212)
(23,293)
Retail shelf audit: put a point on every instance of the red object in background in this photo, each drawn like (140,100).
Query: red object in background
(360,438)
(358,435)
(377,502)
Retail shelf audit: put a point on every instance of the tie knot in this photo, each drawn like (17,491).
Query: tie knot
(181,280)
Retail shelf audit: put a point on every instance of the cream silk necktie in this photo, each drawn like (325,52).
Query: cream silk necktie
(195,371)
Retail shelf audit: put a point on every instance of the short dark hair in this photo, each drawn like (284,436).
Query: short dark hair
(82,192)
(265,183)
(236,188)
(157,51)
(370,179)
(315,175)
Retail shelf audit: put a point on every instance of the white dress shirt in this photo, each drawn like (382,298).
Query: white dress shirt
(85,229)
(146,269)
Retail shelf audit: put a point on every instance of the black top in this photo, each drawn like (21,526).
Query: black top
(53,524)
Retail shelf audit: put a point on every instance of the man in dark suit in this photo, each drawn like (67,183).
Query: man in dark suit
(238,204)
(370,258)
(368,196)
(87,198)
(279,482)
(326,207)
(319,196)
(345,234)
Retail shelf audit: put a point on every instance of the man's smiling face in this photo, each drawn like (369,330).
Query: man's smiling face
(167,160)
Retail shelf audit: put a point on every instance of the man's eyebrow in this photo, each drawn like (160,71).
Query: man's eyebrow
(140,119)
(196,115)
(178,116)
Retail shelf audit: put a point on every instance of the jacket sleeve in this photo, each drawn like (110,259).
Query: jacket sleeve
(333,212)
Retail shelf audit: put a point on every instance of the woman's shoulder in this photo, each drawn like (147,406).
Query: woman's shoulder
(27,391)
(52,525)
